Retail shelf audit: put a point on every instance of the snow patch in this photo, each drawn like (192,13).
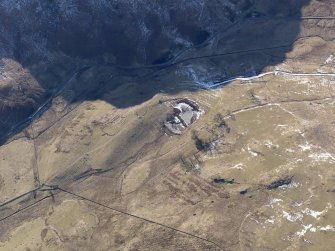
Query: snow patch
(321,156)
(253,153)
(313,229)
(329,59)
(326,228)
(275,202)
(304,230)
(289,150)
(305,147)
(270,221)
(316,214)
(293,217)
(268,143)
(291,185)
(297,204)
(238,166)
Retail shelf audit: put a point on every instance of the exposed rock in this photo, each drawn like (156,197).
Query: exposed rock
(185,112)
(243,192)
(280,182)
(220,180)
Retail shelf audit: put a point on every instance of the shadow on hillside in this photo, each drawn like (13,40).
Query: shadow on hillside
(259,38)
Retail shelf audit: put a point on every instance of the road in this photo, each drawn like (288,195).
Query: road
(275,73)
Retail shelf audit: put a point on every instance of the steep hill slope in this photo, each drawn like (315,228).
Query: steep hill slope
(87,86)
